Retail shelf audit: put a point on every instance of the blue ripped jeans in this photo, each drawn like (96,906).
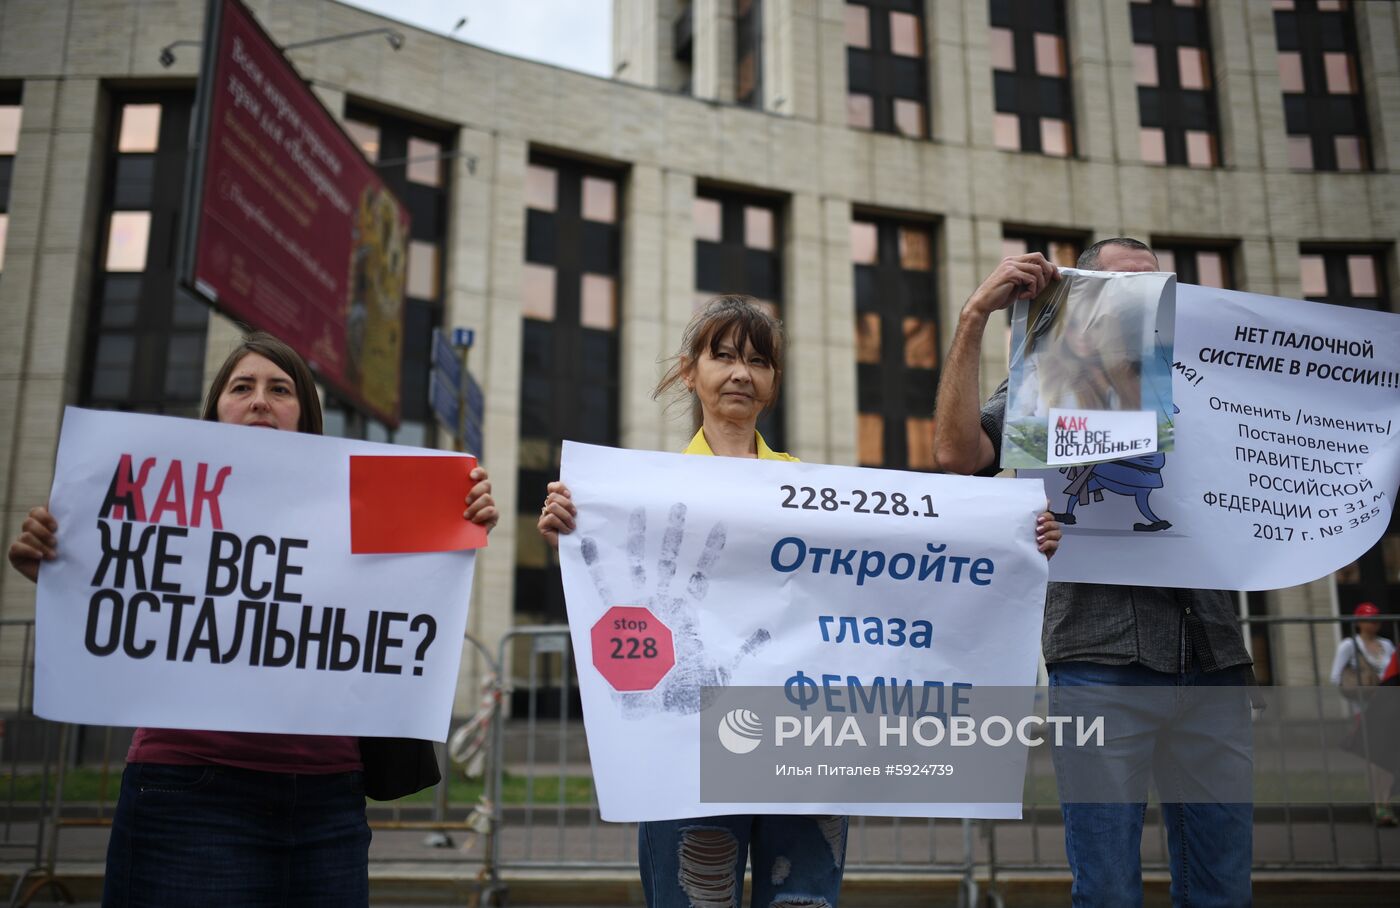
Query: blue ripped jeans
(700,862)
(1189,734)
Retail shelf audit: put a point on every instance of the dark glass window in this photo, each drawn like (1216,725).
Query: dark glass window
(1030,73)
(896,342)
(887,81)
(748,52)
(683,45)
(1061,249)
(1176,91)
(410,159)
(569,371)
(1345,276)
(738,245)
(10,113)
(145,338)
(1205,266)
(1320,73)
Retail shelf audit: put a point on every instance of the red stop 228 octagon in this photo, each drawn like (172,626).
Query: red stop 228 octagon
(632,648)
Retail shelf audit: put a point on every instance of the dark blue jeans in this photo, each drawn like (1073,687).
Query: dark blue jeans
(797,860)
(213,835)
(1195,746)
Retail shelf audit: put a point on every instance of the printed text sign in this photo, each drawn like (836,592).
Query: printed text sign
(1287,453)
(205,580)
(689,574)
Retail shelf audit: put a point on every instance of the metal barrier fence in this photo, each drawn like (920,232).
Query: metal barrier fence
(30,788)
(1295,835)
(548,754)
(536,808)
(61,785)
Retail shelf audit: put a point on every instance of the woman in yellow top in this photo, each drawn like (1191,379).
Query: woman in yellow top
(731,363)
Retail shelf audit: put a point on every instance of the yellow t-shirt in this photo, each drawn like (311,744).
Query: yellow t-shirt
(698,445)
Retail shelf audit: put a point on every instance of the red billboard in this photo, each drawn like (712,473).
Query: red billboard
(294,232)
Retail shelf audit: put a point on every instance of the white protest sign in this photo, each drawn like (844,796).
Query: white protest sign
(1086,436)
(1287,453)
(689,573)
(205,580)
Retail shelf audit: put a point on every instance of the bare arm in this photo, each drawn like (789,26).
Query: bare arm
(960,445)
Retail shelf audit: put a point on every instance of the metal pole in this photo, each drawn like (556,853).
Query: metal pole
(491,852)
(460,442)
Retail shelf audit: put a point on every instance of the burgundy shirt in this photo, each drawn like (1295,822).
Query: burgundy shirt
(301,754)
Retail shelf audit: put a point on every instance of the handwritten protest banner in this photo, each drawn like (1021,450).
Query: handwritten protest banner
(692,575)
(1287,453)
(205,580)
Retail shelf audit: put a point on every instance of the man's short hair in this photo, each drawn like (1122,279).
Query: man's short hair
(1089,259)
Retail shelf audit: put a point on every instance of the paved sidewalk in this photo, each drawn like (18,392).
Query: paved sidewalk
(892,863)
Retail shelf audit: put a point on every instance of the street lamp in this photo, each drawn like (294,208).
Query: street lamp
(395,39)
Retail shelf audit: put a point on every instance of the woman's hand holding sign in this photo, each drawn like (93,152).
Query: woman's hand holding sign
(557,514)
(37,541)
(481,507)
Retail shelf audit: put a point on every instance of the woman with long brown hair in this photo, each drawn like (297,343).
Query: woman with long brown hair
(731,366)
(232,818)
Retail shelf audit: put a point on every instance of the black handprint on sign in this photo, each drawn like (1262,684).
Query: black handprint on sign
(681,690)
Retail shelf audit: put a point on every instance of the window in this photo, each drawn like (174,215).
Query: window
(1344,276)
(748,52)
(1030,72)
(887,89)
(145,338)
(1205,266)
(1176,93)
(738,249)
(424,164)
(570,341)
(408,157)
(1319,72)
(365,136)
(128,240)
(10,112)
(9,143)
(1062,250)
(896,342)
(683,47)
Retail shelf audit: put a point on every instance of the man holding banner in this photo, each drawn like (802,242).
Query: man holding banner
(1097,635)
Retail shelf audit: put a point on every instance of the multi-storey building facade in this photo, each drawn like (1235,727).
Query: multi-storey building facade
(859,166)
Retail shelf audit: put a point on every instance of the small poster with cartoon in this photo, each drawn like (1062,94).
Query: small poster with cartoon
(1090,376)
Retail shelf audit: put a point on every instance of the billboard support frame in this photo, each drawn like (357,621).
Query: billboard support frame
(198,151)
